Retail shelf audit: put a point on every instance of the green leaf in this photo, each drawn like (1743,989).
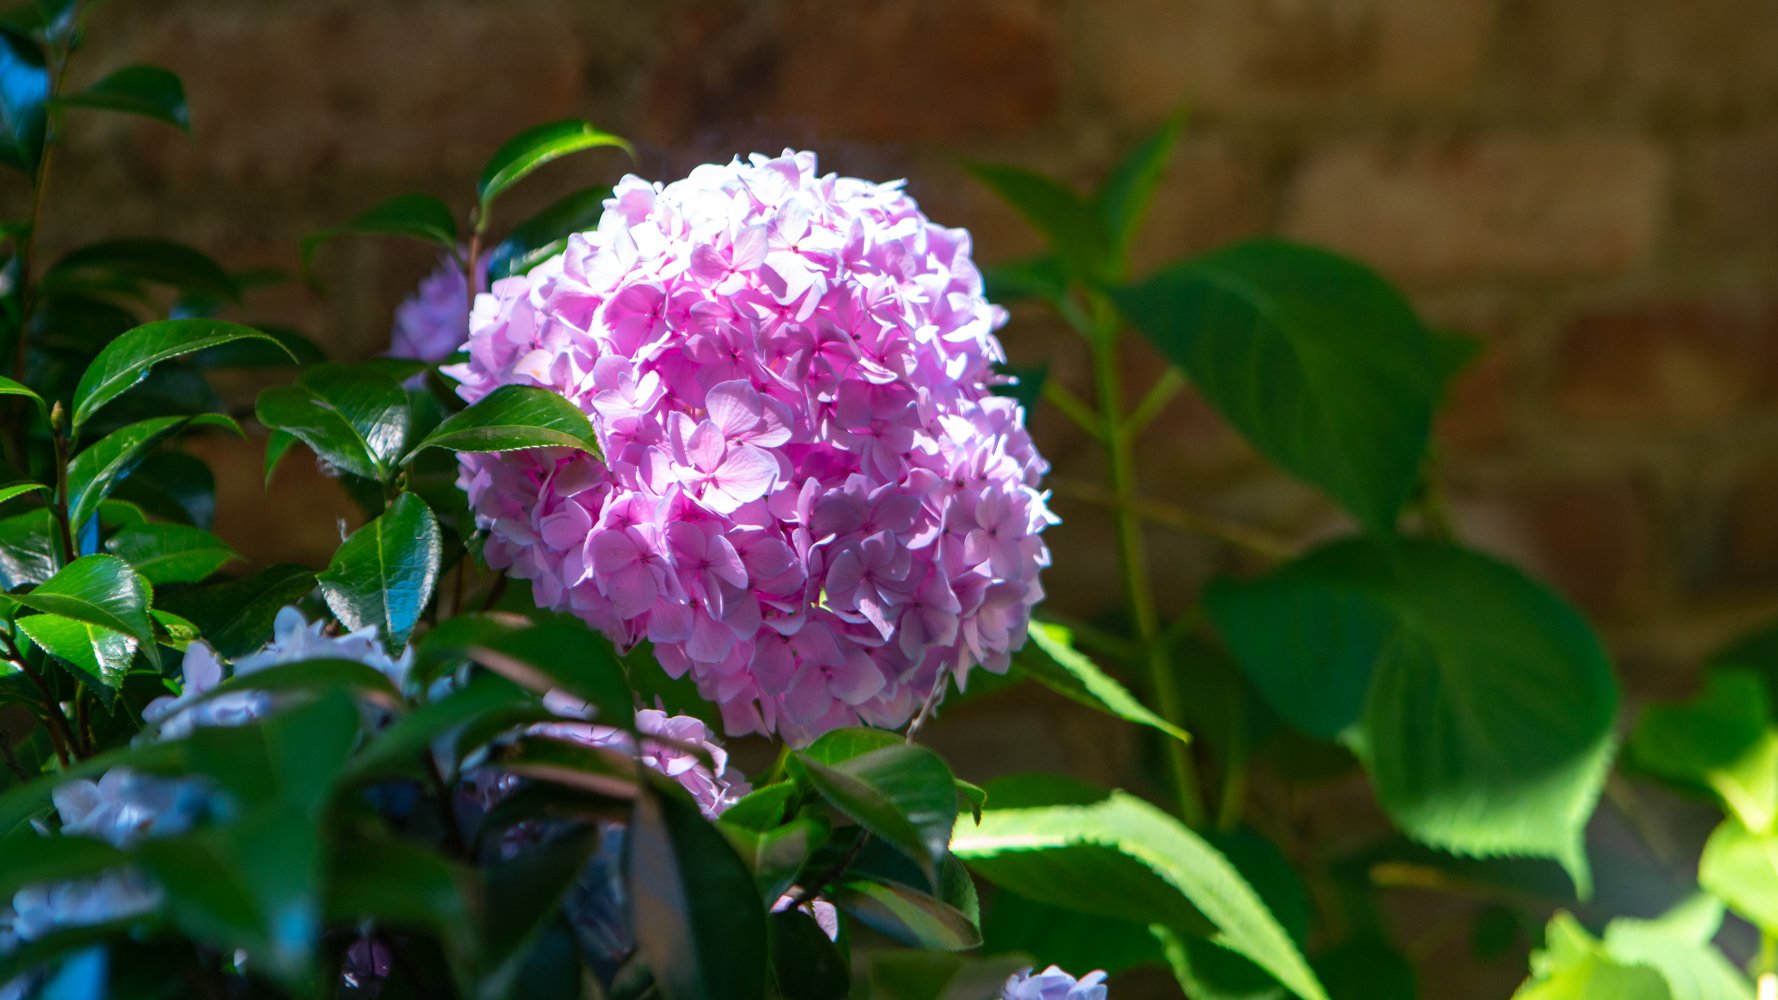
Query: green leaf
(902,793)
(398,882)
(354,418)
(535,147)
(1034,278)
(1212,972)
(126,360)
(1740,867)
(1067,938)
(805,964)
(14,490)
(29,550)
(24,87)
(1367,968)
(160,262)
(148,91)
(1075,232)
(1315,359)
(1487,701)
(762,809)
(171,553)
(1051,660)
(317,675)
(397,749)
(1677,945)
(10,388)
(699,923)
(1723,739)
(543,235)
(775,856)
(1126,193)
(384,574)
(511,418)
(34,860)
(236,616)
(912,975)
(98,590)
(1574,966)
(100,653)
(907,915)
(173,486)
(1116,855)
(562,656)
(416,216)
(98,468)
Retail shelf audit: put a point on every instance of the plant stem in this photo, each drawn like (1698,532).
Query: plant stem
(39,182)
(1121,472)
(12,759)
(1074,408)
(1768,967)
(1180,518)
(1159,395)
(61,495)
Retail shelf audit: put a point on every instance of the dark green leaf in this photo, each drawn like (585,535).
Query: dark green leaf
(1036,278)
(28,548)
(171,553)
(699,923)
(293,759)
(24,87)
(397,749)
(1067,938)
(1075,232)
(1722,739)
(291,349)
(907,915)
(511,418)
(1126,193)
(564,657)
(384,574)
(126,360)
(399,883)
(1208,970)
(99,590)
(600,771)
(159,262)
(912,975)
(523,895)
(545,234)
(98,468)
(354,418)
(34,860)
(533,148)
(838,745)
(761,809)
(138,90)
(10,388)
(417,216)
(1051,659)
(1367,969)
(317,675)
(172,486)
(805,964)
(903,793)
(1121,857)
(1315,359)
(236,616)
(101,653)
(1487,702)
(775,856)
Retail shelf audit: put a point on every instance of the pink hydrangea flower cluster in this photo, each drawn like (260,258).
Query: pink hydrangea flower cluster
(810,498)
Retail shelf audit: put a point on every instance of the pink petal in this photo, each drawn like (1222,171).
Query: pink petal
(734,407)
(746,474)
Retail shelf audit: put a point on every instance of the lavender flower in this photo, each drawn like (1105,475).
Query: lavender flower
(1054,984)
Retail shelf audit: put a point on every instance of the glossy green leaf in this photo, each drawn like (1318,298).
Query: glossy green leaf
(354,418)
(1722,739)
(384,574)
(1315,359)
(907,915)
(535,147)
(100,653)
(155,261)
(126,361)
(1076,234)
(1484,702)
(1124,198)
(775,856)
(526,892)
(511,418)
(543,235)
(98,590)
(762,808)
(1051,659)
(560,656)
(100,466)
(236,616)
(35,860)
(837,745)
(10,388)
(24,87)
(29,549)
(148,91)
(1116,855)
(171,553)
(699,923)
(805,964)
(14,490)
(902,793)
(913,975)
(416,216)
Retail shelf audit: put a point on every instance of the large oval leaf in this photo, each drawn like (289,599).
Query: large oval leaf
(1118,856)
(1315,359)
(126,360)
(511,418)
(171,553)
(354,417)
(103,464)
(384,574)
(416,216)
(148,91)
(1051,660)
(100,590)
(156,261)
(699,923)
(902,793)
(543,235)
(100,653)
(1722,740)
(1484,704)
(533,148)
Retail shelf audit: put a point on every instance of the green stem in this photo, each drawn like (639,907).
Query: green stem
(1074,408)
(1768,967)
(60,507)
(1159,395)
(27,248)
(1121,473)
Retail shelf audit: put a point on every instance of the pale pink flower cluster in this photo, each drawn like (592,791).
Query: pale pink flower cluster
(809,497)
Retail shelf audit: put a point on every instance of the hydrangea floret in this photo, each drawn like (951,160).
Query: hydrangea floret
(1054,984)
(810,497)
(433,323)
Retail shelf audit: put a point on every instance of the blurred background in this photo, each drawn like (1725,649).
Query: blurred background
(1590,186)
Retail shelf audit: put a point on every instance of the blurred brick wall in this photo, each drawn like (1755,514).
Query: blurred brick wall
(1590,185)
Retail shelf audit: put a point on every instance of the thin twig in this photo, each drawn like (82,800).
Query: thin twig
(1072,407)
(803,894)
(1180,518)
(12,759)
(52,709)
(1159,395)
